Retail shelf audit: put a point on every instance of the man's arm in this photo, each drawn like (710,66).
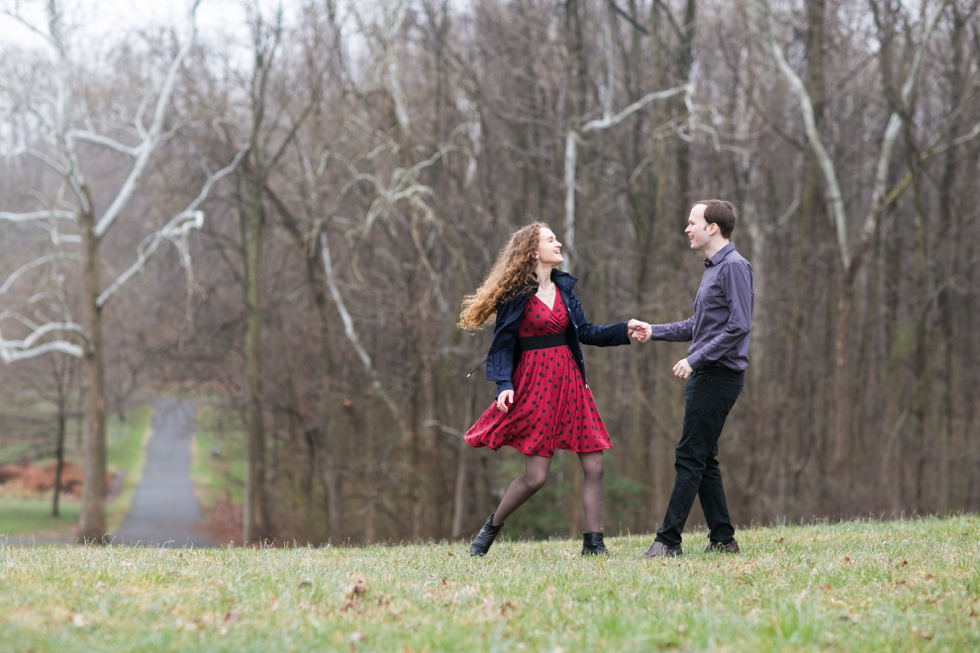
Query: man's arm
(682,331)
(671,332)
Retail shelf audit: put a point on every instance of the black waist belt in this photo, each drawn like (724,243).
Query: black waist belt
(542,342)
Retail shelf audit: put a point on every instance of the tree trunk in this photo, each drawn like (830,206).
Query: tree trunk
(926,441)
(255,522)
(949,268)
(684,63)
(92,525)
(460,486)
(324,452)
(843,382)
(808,265)
(328,461)
(59,459)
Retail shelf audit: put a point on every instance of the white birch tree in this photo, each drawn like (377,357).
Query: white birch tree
(64,146)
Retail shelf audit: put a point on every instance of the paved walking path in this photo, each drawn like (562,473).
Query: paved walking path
(165,509)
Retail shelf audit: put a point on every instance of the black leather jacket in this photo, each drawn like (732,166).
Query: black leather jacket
(504,350)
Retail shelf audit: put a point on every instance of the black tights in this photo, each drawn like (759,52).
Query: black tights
(534,477)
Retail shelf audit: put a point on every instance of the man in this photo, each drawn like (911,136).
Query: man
(715,372)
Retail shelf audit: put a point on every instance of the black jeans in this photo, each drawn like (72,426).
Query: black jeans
(709,396)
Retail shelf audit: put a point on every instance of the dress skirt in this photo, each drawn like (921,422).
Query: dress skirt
(553,408)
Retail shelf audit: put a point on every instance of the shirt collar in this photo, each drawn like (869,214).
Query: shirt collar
(719,255)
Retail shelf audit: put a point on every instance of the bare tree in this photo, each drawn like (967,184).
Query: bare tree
(66,133)
(273,131)
(851,254)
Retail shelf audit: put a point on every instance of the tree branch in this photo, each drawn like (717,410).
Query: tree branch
(12,351)
(834,195)
(180,225)
(629,19)
(19,272)
(111,143)
(571,155)
(351,333)
(38,215)
(13,355)
(149,143)
(893,129)
(606,122)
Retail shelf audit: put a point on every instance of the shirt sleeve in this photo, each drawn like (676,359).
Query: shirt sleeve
(682,331)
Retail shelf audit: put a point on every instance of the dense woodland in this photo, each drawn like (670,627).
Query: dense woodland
(294,212)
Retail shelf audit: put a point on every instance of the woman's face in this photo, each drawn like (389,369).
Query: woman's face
(549,249)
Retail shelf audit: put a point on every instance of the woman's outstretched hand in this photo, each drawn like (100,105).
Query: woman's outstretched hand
(504,398)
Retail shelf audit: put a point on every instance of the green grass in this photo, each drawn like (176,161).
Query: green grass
(126,454)
(33,516)
(910,585)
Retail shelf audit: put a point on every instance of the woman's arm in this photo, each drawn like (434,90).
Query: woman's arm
(598,335)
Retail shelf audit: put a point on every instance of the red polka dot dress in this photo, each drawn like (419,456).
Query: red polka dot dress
(553,408)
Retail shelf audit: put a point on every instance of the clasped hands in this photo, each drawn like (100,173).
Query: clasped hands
(638,330)
(641,332)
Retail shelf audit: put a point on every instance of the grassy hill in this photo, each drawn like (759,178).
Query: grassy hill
(905,585)
(25,515)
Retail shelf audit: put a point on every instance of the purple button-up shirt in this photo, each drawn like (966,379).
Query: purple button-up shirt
(719,329)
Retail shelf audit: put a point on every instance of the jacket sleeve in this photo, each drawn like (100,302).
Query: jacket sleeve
(598,335)
(500,360)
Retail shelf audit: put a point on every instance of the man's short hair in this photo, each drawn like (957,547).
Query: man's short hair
(721,213)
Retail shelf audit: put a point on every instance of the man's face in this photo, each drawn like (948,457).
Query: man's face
(698,231)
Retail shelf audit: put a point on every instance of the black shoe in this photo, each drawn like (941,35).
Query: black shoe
(592,544)
(661,550)
(486,536)
(718,547)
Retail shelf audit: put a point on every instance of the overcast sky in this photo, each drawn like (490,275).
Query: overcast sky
(99,19)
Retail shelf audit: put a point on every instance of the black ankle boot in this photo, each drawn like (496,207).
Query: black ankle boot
(486,536)
(592,544)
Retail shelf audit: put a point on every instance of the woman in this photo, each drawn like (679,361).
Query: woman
(543,400)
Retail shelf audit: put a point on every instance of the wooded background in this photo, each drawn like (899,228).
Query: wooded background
(296,214)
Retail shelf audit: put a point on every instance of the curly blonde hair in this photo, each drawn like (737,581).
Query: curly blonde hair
(513,273)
